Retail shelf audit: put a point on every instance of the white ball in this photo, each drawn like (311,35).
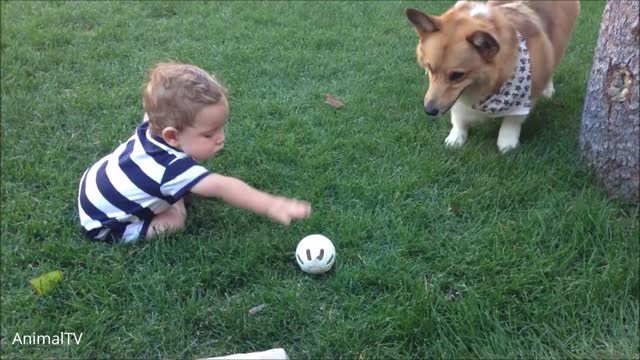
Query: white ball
(315,254)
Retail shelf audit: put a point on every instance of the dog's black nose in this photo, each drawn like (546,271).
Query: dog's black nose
(431,109)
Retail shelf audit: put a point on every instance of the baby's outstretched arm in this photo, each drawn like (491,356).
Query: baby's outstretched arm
(238,193)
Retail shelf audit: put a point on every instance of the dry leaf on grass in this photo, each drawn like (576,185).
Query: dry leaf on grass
(333,101)
(256,309)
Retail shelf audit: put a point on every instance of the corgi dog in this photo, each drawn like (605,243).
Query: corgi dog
(491,60)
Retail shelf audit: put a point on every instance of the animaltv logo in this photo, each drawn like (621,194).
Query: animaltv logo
(63,338)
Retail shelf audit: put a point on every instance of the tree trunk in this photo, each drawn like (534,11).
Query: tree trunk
(610,132)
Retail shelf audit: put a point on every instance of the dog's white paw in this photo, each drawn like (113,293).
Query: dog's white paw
(509,134)
(456,138)
(506,144)
(549,90)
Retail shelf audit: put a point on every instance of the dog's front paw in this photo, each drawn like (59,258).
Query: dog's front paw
(507,144)
(509,134)
(456,138)
(549,90)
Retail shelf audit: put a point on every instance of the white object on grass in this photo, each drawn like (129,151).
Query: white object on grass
(273,354)
(315,254)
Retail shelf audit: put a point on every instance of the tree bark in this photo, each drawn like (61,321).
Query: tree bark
(610,131)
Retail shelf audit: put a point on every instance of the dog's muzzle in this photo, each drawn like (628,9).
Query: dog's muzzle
(431,109)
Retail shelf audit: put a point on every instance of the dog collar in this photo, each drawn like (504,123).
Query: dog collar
(514,97)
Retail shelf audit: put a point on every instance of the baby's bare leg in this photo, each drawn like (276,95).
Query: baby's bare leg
(169,221)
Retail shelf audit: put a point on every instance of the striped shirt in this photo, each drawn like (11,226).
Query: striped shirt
(143,177)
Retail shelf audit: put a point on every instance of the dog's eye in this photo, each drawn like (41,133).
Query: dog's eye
(456,75)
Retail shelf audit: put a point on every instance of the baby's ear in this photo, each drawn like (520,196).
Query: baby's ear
(170,136)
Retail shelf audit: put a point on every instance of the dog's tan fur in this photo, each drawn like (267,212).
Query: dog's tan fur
(480,41)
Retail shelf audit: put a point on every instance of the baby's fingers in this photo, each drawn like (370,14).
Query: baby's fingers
(286,220)
(301,209)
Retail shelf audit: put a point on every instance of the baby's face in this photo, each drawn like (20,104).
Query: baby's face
(205,137)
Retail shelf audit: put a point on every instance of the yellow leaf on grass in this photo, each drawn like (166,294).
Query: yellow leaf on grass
(333,101)
(43,284)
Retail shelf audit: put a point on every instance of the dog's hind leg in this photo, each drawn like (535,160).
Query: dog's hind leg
(509,135)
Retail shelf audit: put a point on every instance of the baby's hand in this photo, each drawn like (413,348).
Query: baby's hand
(284,210)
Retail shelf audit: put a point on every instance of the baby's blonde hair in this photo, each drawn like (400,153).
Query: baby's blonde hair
(175,93)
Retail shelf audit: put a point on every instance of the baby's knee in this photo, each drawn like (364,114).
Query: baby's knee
(180,219)
(176,218)
(170,221)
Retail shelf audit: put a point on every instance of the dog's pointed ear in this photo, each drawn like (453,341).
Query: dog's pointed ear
(485,44)
(421,21)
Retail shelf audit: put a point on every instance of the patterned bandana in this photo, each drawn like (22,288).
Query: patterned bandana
(514,97)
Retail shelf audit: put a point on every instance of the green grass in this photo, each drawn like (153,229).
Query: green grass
(544,264)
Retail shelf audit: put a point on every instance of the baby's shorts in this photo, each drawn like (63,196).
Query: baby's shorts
(126,233)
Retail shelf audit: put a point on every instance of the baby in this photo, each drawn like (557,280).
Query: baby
(138,190)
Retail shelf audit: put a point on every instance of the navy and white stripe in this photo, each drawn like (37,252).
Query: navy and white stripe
(143,177)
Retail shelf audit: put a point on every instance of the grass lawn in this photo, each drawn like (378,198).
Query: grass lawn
(441,253)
